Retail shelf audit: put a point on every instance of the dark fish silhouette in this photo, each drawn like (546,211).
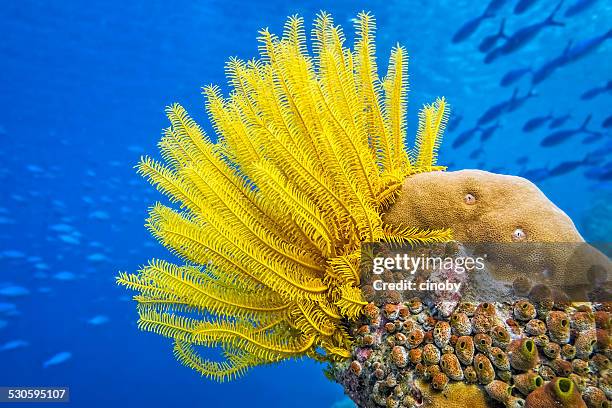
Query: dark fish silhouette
(585,47)
(607,123)
(556,122)
(592,137)
(578,7)
(489,41)
(494,112)
(520,38)
(518,101)
(453,122)
(603,173)
(565,167)
(469,27)
(536,175)
(522,160)
(492,55)
(514,75)
(523,5)
(597,156)
(561,136)
(593,92)
(464,137)
(510,105)
(551,66)
(495,5)
(535,123)
(486,133)
(476,153)
(572,53)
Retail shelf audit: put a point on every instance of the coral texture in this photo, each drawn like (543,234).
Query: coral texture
(502,363)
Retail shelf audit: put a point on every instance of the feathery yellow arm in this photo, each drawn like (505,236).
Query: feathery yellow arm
(310,151)
(395,92)
(432,122)
(370,86)
(203,292)
(265,346)
(235,365)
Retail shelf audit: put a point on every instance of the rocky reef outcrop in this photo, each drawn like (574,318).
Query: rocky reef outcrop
(528,348)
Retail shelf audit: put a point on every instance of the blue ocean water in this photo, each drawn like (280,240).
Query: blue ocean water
(83,89)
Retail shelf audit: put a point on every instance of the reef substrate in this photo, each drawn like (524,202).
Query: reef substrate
(529,351)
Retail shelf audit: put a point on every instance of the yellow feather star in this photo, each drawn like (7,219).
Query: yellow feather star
(310,152)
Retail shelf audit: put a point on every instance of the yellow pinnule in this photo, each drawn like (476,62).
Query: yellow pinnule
(310,151)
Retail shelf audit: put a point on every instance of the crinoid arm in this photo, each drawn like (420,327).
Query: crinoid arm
(269,220)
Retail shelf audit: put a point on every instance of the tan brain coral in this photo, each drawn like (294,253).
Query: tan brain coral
(482,207)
